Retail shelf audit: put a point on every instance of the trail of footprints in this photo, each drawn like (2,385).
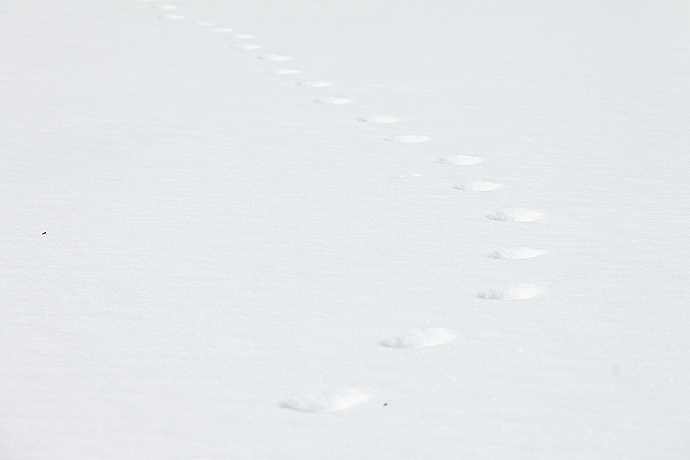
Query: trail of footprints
(417,338)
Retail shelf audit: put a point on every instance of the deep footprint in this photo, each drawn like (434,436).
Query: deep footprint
(516,215)
(516,253)
(519,292)
(320,402)
(427,337)
(478,186)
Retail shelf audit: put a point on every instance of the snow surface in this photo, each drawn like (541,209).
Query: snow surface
(199,261)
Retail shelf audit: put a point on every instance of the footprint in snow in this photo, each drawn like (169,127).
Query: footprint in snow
(459,160)
(274,57)
(332,100)
(408,139)
(285,71)
(244,37)
(174,17)
(326,402)
(427,337)
(516,215)
(516,253)
(315,84)
(478,186)
(382,120)
(518,292)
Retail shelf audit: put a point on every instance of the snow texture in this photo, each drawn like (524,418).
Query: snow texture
(257,229)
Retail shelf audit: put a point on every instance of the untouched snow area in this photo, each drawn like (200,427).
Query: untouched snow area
(344,230)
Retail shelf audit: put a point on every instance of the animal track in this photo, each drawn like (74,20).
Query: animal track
(427,337)
(332,100)
(382,120)
(315,84)
(274,57)
(460,160)
(516,215)
(418,338)
(516,253)
(326,402)
(409,139)
(478,186)
(519,292)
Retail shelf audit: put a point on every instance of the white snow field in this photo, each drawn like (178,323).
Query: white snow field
(379,229)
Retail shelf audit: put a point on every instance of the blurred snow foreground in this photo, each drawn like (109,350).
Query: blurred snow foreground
(366,229)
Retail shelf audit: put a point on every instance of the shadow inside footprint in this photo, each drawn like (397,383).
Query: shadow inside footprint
(418,338)
(516,215)
(516,253)
(520,292)
(320,402)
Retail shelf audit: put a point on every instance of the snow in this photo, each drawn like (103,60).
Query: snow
(427,337)
(327,403)
(516,215)
(208,254)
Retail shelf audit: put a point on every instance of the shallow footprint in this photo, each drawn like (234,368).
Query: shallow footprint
(516,215)
(478,186)
(516,253)
(332,100)
(427,337)
(409,139)
(274,57)
(321,402)
(519,292)
(244,37)
(174,17)
(460,160)
(382,120)
(315,84)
